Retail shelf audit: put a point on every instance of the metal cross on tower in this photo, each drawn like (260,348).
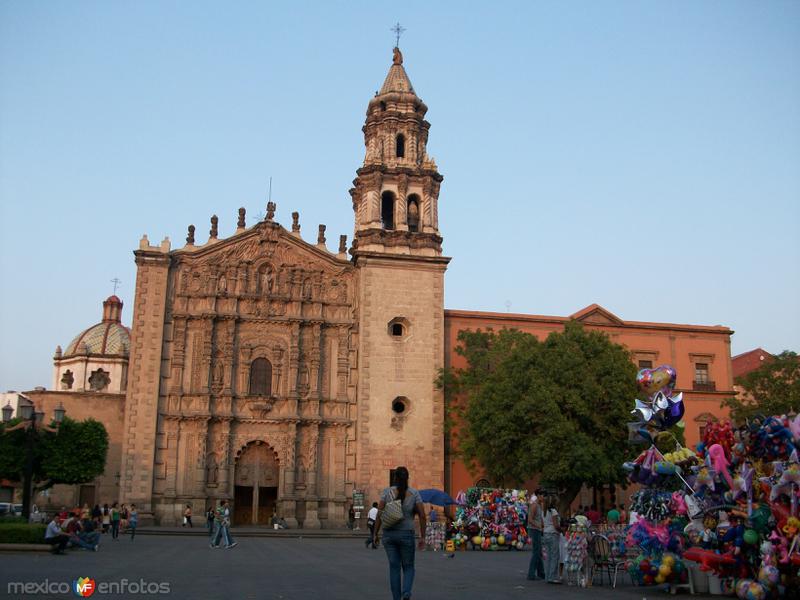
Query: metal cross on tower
(398,31)
(116,283)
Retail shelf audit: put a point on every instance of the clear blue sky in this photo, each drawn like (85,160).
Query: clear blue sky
(641,155)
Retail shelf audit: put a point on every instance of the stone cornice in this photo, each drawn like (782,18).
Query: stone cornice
(409,261)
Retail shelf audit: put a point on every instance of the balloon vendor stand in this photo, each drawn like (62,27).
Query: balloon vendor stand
(727,510)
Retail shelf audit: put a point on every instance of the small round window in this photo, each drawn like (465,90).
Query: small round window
(399,405)
(398,327)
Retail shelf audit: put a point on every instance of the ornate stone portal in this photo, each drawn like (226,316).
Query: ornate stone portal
(258,344)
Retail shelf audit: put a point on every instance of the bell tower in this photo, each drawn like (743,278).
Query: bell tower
(397,250)
(396,193)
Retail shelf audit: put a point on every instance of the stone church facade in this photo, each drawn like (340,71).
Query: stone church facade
(274,372)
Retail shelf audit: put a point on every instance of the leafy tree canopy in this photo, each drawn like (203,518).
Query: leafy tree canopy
(76,453)
(556,408)
(772,389)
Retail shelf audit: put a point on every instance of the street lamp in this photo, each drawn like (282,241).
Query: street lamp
(25,411)
(32,422)
(59,412)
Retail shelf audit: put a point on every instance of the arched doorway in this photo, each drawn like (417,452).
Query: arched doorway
(255,491)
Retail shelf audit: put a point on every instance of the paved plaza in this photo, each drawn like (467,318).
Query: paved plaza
(289,569)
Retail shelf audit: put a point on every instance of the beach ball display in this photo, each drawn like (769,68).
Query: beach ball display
(769,576)
(747,589)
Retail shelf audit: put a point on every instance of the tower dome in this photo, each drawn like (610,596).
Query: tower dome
(97,358)
(109,337)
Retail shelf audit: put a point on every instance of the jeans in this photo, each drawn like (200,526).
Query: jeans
(371,539)
(222,533)
(90,537)
(399,545)
(536,566)
(76,541)
(552,545)
(114,530)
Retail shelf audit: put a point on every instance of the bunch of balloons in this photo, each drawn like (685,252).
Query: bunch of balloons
(657,407)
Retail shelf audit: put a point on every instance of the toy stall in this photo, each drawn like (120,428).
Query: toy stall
(490,519)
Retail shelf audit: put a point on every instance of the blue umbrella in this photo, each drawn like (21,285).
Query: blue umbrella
(437,497)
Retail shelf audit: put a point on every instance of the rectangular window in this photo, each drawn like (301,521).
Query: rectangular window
(645,364)
(701,372)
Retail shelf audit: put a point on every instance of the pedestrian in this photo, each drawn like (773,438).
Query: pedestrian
(398,536)
(222,520)
(133,520)
(351,517)
(123,518)
(106,518)
(372,515)
(551,540)
(535,526)
(55,537)
(97,515)
(115,518)
(187,516)
(210,521)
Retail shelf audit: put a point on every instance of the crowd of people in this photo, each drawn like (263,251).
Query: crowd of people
(84,527)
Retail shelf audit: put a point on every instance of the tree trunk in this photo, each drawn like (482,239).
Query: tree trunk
(565,497)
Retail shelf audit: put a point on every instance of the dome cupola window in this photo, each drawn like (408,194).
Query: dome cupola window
(99,380)
(67,379)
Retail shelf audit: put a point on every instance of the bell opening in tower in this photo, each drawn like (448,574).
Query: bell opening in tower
(412,218)
(387,210)
(401,146)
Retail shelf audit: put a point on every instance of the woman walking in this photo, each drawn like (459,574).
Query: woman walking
(115,518)
(210,521)
(187,516)
(551,537)
(133,520)
(106,518)
(398,531)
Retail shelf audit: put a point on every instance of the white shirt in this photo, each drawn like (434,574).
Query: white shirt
(53,530)
(373,513)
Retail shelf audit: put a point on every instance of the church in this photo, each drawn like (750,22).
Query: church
(285,376)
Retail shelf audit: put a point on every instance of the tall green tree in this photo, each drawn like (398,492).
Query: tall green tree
(76,453)
(772,389)
(556,408)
